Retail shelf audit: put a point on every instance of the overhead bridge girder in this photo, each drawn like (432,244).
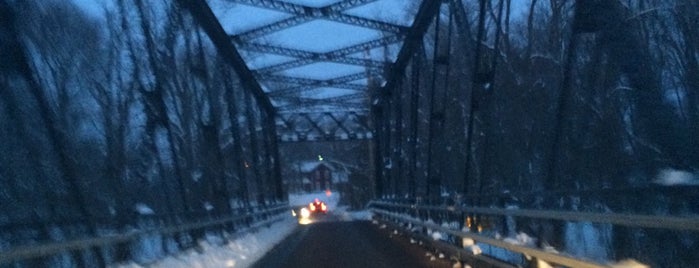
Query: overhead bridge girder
(311,84)
(317,105)
(323,126)
(315,82)
(377,65)
(297,53)
(300,9)
(271,28)
(307,13)
(339,100)
(308,57)
(291,93)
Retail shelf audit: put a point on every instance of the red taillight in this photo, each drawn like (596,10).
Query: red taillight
(323,207)
(313,207)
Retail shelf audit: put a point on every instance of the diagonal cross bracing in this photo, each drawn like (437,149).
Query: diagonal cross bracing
(335,82)
(373,64)
(311,82)
(366,23)
(388,40)
(319,106)
(274,5)
(308,57)
(270,28)
(348,4)
(275,50)
(385,41)
(307,13)
(301,9)
(338,99)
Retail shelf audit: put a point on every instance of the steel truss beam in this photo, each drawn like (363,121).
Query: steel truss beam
(281,110)
(307,13)
(270,28)
(348,4)
(299,9)
(366,23)
(338,99)
(308,57)
(322,126)
(308,102)
(373,64)
(318,106)
(335,82)
(387,40)
(309,82)
(296,53)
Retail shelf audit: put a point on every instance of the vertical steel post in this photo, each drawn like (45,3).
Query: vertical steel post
(399,178)
(433,180)
(416,66)
(252,128)
(475,94)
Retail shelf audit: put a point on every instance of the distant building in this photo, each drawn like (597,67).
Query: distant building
(319,176)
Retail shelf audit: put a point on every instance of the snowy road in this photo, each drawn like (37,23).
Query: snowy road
(331,243)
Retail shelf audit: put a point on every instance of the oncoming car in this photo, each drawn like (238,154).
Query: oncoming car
(317,207)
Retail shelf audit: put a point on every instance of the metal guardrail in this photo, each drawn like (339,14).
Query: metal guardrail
(533,252)
(48,249)
(630,220)
(642,221)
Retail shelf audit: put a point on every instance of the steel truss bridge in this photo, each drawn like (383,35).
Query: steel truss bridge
(394,100)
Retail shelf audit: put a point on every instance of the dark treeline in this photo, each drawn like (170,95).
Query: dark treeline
(105,117)
(574,105)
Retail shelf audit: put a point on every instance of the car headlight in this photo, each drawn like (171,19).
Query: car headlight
(305,213)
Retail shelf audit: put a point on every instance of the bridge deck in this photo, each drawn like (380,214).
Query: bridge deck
(347,244)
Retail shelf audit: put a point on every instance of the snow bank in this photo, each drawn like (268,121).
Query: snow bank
(670,177)
(242,251)
(345,215)
(143,209)
(592,241)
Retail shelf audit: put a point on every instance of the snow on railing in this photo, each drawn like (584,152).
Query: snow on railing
(413,215)
(249,221)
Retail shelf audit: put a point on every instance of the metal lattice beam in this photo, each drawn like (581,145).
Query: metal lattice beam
(275,50)
(320,58)
(270,28)
(301,9)
(262,48)
(322,125)
(366,23)
(310,82)
(348,4)
(385,41)
(307,13)
(274,5)
(308,57)
(322,107)
(338,99)
(335,82)
(283,110)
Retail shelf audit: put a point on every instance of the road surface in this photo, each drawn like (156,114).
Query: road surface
(333,243)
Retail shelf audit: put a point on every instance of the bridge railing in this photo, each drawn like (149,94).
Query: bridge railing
(461,224)
(152,225)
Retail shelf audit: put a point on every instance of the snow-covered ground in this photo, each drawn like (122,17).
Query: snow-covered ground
(240,251)
(245,249)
